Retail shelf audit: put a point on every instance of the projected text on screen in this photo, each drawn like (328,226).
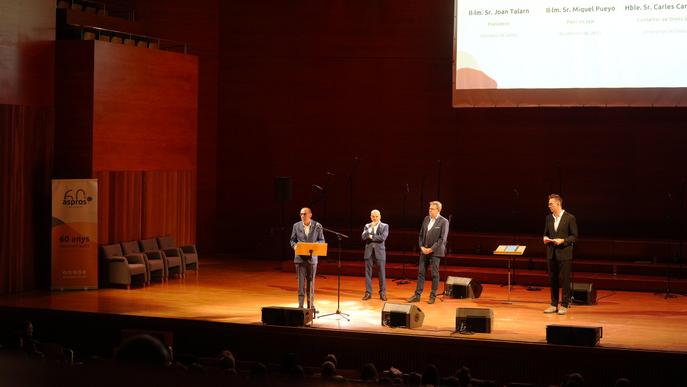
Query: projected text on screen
(535,44)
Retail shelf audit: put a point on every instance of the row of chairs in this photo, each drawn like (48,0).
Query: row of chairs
(129,41)
(85,6)
(147,259)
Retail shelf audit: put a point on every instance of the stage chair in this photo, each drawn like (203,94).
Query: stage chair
(173,265)
(116,39)
(188,253)
(89,35)
(104,38)
(155,264)
(129,42)
(122,269)
(142,43)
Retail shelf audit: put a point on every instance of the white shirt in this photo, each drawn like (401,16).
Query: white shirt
(557,220)
(431,223)
(307,229)
(372,229)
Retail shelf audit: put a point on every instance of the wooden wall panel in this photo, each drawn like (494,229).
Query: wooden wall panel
(27,34)
(145,109)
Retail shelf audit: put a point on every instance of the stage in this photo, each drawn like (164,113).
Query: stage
(233,290)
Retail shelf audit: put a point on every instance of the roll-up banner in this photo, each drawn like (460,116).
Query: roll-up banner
(74,234)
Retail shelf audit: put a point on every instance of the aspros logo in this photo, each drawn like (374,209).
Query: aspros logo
(76,198)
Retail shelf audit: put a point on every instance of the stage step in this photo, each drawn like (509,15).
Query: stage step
(499,275)
(581,264)
(610,249)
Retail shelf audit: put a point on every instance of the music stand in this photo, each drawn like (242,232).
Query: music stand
(510,251)
(310,249)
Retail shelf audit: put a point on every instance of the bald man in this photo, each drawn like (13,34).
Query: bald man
(307,230)
(374,235)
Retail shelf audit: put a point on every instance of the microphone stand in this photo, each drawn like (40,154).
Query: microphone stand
(338,312)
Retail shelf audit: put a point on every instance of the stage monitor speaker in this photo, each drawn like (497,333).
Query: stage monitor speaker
(583,293)
(284,316)
(573,335)
(461,287)
(282,189)
(402,315)
(480,320)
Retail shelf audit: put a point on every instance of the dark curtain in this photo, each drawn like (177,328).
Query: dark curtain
(26,137)
(144,204)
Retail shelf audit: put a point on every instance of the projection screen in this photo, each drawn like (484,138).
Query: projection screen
(569,53)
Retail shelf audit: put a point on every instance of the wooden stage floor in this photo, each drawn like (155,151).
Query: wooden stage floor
(234,290)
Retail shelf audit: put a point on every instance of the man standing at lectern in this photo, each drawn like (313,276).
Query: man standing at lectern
(433,234)
(560,234)
(374,235)
(307,230)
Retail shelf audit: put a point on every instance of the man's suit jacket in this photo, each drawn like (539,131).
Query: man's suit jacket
(436,237)
(298,235)
(567,229)
(375,244)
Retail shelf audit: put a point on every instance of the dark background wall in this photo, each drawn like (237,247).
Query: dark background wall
(307,86)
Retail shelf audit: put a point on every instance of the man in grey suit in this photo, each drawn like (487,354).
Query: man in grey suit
(433,234)
(374,235)
(307,230)
(560,234)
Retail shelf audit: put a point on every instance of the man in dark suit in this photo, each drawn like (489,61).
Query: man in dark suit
(433,234)
(374,235)
(307,230)
(560,234)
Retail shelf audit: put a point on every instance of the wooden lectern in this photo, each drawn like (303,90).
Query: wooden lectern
(511,251)
(306,248)
(310,249)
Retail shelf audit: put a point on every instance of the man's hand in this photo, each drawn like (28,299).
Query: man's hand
(426,250)
(559,241)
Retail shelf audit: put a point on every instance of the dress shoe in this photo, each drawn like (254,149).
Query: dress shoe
(431,300)
(414,298)
(367,296)
(550,309)
(382,297)
(562,310)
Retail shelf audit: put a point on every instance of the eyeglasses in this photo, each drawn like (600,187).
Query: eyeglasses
(303,214)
